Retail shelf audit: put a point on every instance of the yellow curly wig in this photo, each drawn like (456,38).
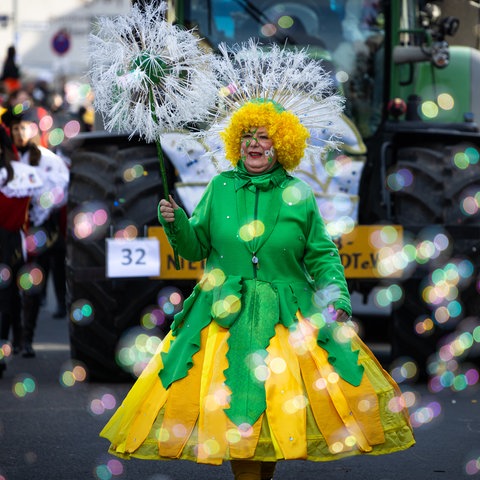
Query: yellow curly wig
(288,135)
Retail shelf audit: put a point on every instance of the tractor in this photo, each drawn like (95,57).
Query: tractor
(401,195)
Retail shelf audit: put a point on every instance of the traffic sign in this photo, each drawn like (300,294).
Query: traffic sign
(61,42)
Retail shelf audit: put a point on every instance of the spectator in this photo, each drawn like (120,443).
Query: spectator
(18,182)
(55,175)
(11,71)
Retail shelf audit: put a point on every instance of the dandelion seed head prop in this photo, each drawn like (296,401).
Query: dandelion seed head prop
(284,90)
(149,76)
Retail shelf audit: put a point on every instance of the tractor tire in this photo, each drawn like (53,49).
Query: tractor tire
(438,188)
(433,198)
(99,163)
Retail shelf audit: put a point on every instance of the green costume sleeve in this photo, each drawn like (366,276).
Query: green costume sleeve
(322,261)
(191,237)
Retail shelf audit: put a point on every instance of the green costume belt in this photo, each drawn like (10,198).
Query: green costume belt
(251,325)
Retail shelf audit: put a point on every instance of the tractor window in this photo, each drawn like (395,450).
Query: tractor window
(347,35)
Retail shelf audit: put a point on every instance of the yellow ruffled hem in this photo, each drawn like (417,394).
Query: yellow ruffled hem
(311,413)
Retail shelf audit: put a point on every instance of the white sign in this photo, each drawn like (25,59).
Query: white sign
(133,258)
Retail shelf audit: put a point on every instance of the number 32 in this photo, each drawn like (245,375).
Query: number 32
(133,257)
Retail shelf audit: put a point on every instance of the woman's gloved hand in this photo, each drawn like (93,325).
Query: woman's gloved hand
(167,209)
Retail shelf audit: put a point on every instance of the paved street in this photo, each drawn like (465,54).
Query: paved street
(49,430)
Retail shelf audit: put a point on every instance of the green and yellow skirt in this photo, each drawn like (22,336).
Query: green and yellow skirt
(311,412)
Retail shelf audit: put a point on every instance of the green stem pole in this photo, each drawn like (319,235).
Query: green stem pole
(163,171)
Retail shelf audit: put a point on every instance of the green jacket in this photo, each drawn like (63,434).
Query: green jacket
(268,255)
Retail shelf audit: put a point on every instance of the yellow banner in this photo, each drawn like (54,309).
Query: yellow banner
(366,252)
(369,250)
(188,270)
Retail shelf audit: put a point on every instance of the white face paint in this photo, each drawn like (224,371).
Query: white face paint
(257,150)
(271,152)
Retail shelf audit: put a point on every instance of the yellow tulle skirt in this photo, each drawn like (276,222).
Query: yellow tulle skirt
(311,413)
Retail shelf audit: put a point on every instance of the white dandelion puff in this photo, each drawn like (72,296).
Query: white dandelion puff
(149,76)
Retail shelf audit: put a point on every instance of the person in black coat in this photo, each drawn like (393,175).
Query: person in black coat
(11,71)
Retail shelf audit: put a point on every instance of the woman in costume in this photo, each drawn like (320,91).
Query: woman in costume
(260,366)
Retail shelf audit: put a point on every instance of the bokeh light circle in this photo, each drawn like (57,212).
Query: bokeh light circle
(135,349)
(31,279)
(5,275)
(170,300)
(82,312)
(90,221)
(102,401)
(72,373)
(24,386)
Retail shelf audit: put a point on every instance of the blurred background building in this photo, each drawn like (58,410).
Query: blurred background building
(51,36)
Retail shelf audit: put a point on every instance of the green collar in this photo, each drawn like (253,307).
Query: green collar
(274,177)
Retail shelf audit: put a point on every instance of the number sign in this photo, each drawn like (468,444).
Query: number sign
(133,258)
